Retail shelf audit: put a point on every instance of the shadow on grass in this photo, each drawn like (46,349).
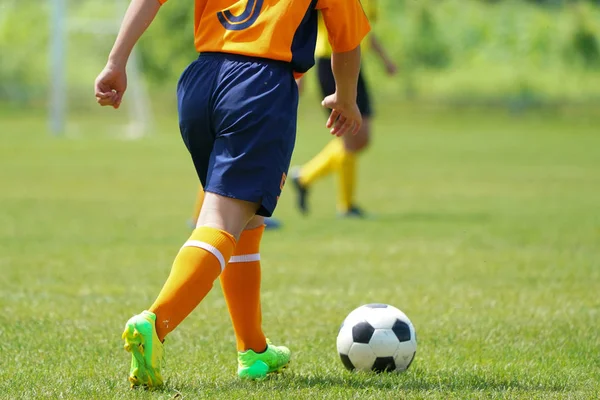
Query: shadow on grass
(414,382)
(428,383)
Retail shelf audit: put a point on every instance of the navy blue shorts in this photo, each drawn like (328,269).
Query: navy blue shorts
(237,117)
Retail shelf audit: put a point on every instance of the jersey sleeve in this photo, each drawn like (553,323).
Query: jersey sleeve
(346,23)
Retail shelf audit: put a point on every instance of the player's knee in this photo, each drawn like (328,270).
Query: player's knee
(360,141)
(227,214)
(255,222)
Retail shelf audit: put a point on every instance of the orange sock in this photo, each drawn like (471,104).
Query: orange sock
(198,264)
(241,286)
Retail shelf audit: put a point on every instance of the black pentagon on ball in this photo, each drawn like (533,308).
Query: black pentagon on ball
(402,330)
(346,361)
(376,305)
(362,332)
(384,364)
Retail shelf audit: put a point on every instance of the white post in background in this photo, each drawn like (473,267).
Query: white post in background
(62,25)
(139,107)
(57,95)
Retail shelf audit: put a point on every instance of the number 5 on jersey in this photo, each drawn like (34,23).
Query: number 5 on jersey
(242,21)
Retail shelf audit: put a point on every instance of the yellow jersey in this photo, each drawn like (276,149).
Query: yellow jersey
(323,49)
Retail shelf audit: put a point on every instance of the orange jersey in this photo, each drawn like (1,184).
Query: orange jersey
(284,30)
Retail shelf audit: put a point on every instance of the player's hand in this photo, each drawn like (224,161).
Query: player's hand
(345,116)
(110,85)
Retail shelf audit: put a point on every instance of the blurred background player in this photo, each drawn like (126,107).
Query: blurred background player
(270,222)
(339,155)
(238,105)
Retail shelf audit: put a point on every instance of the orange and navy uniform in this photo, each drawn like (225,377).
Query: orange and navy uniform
(238,102)
(284,30)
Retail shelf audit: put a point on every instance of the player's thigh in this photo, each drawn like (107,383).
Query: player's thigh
(226,213)
(255,120)
(358,142)
(193,103)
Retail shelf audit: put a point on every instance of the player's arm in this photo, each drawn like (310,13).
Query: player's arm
(346,67)
(346,25)
(112,81)
(345,115)
(379,49)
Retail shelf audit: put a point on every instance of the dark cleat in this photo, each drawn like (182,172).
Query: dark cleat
(353,212)
(301,191)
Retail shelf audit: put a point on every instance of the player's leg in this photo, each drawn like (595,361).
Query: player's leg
(241,287)
(197,265)
(327,160)
(207,251)
(347,178)
(353,145)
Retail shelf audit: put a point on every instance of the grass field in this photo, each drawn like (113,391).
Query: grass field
(486,232)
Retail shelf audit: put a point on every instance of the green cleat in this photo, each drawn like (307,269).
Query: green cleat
(257,366)
(146,350)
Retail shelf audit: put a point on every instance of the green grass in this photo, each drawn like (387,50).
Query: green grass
(486,233)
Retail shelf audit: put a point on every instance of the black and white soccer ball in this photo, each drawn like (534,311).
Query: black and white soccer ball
(377,337)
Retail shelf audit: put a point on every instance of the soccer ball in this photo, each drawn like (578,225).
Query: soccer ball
(377,337)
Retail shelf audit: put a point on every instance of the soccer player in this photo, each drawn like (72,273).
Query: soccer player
(237,107)
(339,156)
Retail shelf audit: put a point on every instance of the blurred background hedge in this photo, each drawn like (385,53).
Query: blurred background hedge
(450,51)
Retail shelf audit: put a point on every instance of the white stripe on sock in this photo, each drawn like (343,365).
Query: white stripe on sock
(245,258)
(208,247)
